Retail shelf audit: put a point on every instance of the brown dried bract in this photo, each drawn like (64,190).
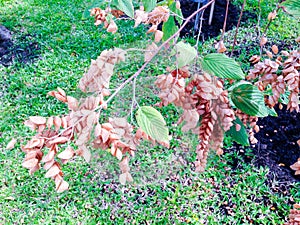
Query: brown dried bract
(294,216)
(220,47)
(101,15)
(296,167)
(98,77)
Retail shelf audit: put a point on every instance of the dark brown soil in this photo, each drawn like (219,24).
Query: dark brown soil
(22,50)
(213,30)
(276,149)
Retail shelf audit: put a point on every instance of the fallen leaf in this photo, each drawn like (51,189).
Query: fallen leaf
(11,144)
(123,178)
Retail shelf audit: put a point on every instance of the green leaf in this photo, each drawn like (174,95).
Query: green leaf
(169,28)
(249,99)
(284,98)
(222,66)
(185,53)
(292,7)
(177,12)
(240,136)
(272,112)
(124,5)
(234,85)
(152,123)
(149,5)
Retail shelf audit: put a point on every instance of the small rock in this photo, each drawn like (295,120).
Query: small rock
(264,146)
(4,34)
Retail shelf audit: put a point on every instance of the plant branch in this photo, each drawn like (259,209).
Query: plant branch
(268,25)
(258,19)
(200,28)
(137,73)
(225,21)
(133,102)
(237,28)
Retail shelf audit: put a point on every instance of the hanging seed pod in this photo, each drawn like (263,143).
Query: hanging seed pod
(263,41)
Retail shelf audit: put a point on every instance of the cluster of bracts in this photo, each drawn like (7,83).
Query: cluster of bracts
(203,99)
(80,129)
(294,217)
(281,74)
(158,15)
(206,112)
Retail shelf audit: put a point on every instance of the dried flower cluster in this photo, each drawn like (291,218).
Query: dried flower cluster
(172,87)
(47,137)
(296,167)
(101,17)
(108,135)
(204,99)
(291,77)
(80,126)
(225,116)
(80,129)
(158,15)
(249,121)
(98,76)
(294,217)
(281,75)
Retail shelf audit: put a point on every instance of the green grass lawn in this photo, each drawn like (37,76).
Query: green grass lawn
(164,191)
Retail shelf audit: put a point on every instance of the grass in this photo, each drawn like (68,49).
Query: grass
(164,191)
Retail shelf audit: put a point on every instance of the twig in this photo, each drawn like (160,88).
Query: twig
(237,28)
(200,28)
(211,13)
(133,102)
(268,25)
(259,18)
(198,37)
(137,73)
(138,49)
(225,21)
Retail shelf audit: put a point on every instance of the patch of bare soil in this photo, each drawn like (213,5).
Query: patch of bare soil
(276,149)
(22,50)
(213,30)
